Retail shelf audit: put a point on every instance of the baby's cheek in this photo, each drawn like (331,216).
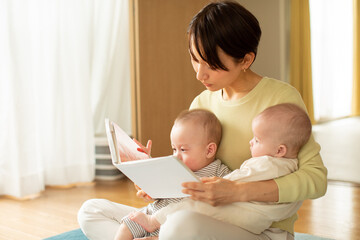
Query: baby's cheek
(190,164)
(187,162)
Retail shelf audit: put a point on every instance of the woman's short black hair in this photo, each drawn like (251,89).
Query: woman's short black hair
(226,25)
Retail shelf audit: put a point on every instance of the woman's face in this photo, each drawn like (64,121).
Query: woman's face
(216,79)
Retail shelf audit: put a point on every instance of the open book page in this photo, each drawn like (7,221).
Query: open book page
(122,147)
(126,146)
(159,177)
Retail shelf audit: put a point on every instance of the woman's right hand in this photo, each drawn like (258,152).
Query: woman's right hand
(142,148)
(141,194)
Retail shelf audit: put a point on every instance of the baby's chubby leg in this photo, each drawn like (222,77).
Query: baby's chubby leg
(123,233)
(148,222)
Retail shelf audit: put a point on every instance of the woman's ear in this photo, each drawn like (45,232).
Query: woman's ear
(248,60)
(281,151)
(211,150)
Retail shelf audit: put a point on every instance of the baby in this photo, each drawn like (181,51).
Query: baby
(194,136)
(279,133)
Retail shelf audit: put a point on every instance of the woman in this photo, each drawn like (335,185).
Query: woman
(223,41)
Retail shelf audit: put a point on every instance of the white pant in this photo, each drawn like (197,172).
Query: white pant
(99,219)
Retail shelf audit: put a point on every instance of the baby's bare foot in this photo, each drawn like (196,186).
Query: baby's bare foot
(149,223)
(147,238)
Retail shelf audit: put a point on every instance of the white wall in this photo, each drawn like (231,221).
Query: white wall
(273,53)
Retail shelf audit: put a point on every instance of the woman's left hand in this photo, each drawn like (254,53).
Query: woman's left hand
(214,191)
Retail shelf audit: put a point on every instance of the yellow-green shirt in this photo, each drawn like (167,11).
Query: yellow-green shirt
(309,182)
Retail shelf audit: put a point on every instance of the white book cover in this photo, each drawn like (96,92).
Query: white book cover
(159,177)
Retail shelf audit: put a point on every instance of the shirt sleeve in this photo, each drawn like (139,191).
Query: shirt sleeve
(195,103)
(310,181)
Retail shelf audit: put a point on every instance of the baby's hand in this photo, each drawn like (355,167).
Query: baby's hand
(143,149)
(141,194)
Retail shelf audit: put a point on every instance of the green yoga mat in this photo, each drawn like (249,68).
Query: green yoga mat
(78,235)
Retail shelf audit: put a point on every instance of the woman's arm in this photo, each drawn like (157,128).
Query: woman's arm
(310,181)
(218,191)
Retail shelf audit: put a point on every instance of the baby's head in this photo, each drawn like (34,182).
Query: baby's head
(195,136)
(280,131)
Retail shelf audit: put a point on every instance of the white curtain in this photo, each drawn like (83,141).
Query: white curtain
(61,64)
(111,65)
(331,55)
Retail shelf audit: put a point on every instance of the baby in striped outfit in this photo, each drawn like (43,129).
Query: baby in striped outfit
(195,137)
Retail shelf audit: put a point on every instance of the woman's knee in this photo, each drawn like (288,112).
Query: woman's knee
(87,210)
(81,216)
(182,225)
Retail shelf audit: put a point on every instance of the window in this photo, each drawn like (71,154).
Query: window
(332,57)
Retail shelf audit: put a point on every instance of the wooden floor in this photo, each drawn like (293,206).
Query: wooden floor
(336,215)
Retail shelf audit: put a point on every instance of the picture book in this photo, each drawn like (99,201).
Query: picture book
(159,177)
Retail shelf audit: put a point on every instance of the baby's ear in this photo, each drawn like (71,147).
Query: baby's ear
(281,151)
(211,150)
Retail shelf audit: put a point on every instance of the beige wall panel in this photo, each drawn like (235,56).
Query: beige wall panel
(273,53)
(165,82)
